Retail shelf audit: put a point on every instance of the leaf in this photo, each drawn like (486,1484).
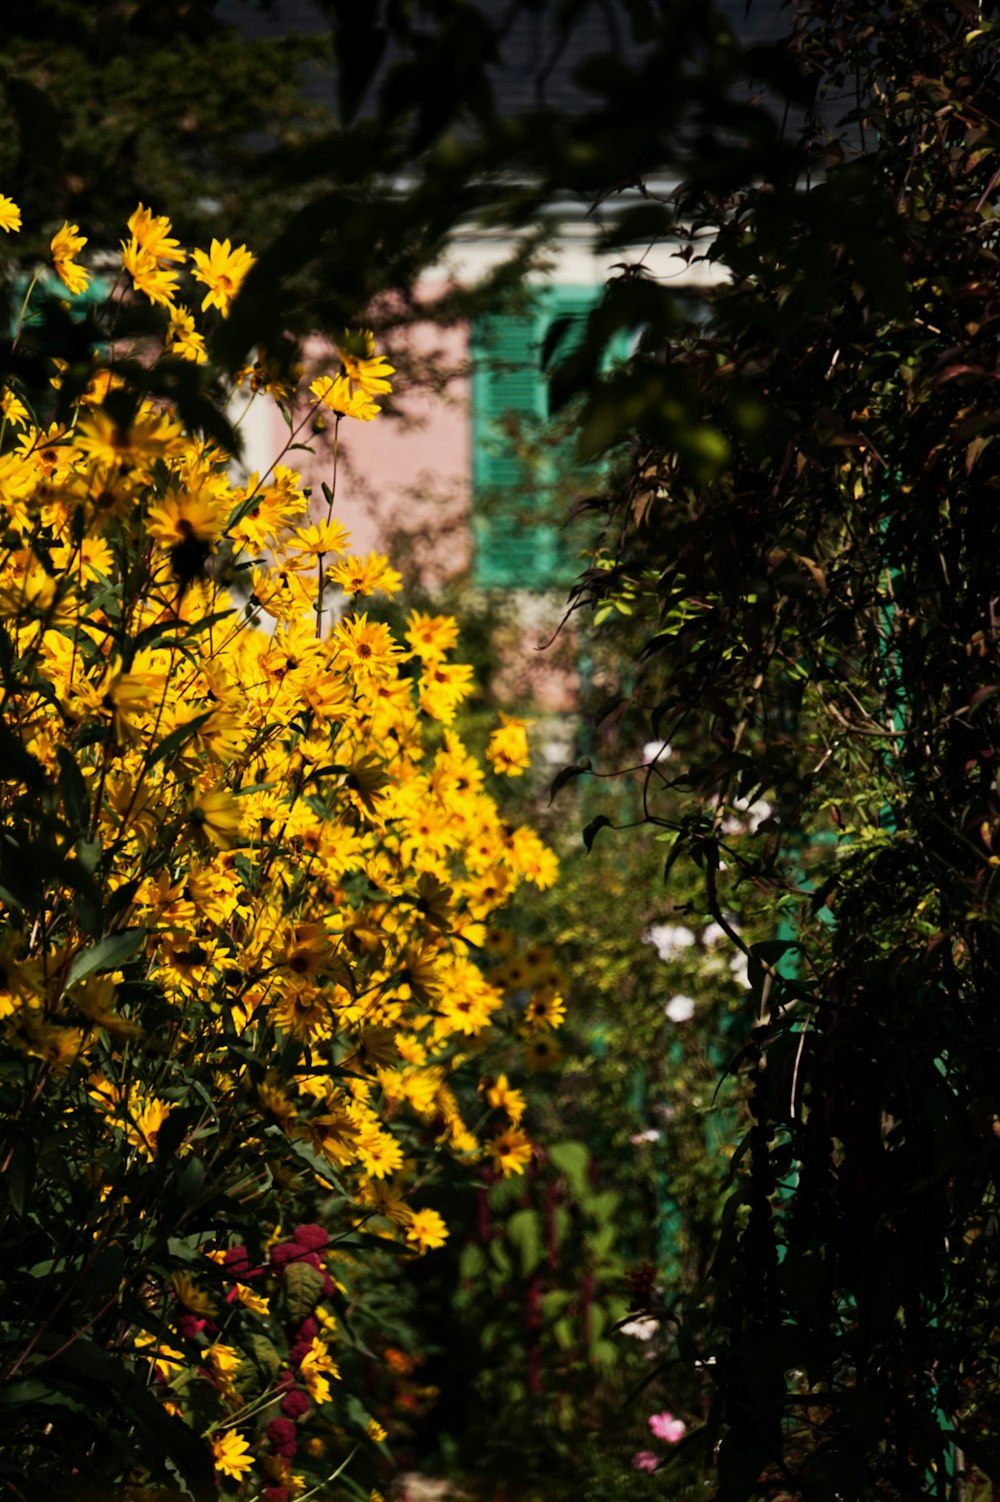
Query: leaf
(568,774)
(304,1286)
(21,1175)
(565,1333)
(524,1230)
(572,1160)
(18,765)
(17,1394)
(107,954)
(602,1206)
(174,1129)
(177,738)
(264,1353)
(73,789)
(594,828)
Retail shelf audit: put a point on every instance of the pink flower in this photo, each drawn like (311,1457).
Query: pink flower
(666,1427)
(645,1460)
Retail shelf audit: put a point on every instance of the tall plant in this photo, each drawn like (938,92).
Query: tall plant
(808,525)
(245,871)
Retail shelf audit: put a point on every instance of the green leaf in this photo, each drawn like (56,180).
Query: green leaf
(524,1230)
(564,1331)
(572,1160)
(107,954)
(602,1206)
(603,1353)
(264,1353)
(303,1290)
(73,789)
(177,738)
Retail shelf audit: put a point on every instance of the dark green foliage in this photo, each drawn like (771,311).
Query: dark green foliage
(810,522)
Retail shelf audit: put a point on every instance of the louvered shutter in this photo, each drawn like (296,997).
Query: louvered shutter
(512,546)
(524,481)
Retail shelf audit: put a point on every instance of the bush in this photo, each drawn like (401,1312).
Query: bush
(245,871)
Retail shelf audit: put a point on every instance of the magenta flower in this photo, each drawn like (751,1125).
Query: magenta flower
(666,1427)
(645,1460)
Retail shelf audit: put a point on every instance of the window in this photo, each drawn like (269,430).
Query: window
(525,475)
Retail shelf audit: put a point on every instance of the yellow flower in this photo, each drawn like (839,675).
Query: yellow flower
(362,377)
(182,338)
(216,815)
(225,1359)
(508,747)
(10,214)
(320,538)
(431,636)
(503,1098)
(375,1431)
(366,647)
(147,256)
(545,1009)
(335,392)
(232,1454)
(144,1128)
(158,283)
(426,1230)
(67,244)
(191,1296)
(363,576)
(542,1052)
(314,1365)
(222,270)
(511,1152)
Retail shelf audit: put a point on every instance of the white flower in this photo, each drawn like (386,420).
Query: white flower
(680,1009)
(668,939)
(650,1135)
(712,935)
(739,965)
(656,751)
(643,1328)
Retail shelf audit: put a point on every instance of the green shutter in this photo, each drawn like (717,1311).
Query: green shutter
(523,483)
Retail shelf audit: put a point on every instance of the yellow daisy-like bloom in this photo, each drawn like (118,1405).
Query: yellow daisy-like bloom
(182,338)
(181,517)
(502,1097)
(66,245)
(231,1454)
(153,233)
(363,576)
(216,815)
(10,214)
(431,636)
(511,1152)
(362,377)
(191,1296)
(14,409)
(542,1052)
(366,646)
(318,539)
(336,393)
(157,284)
(426,1230)
(314,1367)
(508,747)
(144,1128)
(223,270)
(545,1009)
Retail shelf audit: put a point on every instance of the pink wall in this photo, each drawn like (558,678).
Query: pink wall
(404,480)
